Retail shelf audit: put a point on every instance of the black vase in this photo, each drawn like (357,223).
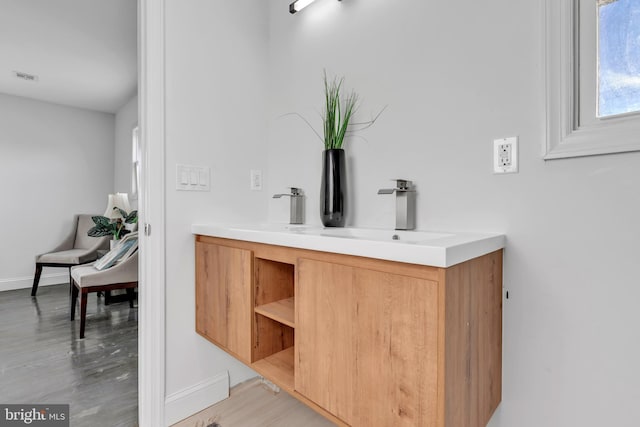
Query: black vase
(333,189)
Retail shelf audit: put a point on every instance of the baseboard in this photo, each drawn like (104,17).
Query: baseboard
(27,282)
(193,399)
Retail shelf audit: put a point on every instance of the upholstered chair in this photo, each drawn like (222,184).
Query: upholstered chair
(77,248)
(87,279)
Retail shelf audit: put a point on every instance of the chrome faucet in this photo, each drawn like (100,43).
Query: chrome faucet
(296,208)
(405,204)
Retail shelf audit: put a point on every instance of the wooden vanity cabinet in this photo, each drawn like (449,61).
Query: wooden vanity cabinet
(364,342)
(223,297)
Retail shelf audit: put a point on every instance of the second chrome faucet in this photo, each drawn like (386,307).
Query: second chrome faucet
(405,204)
(296,207)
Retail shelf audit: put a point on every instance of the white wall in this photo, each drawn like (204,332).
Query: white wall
(125,120)
(455,76)
(56,161)
(215,116)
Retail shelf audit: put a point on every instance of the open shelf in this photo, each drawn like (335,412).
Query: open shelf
(273,308)
(278,368)
(281,311)
(274,321)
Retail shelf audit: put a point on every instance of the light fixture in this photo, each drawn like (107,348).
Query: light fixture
(118,200)
(298,5)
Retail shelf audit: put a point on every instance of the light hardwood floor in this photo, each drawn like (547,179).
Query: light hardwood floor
(251,404)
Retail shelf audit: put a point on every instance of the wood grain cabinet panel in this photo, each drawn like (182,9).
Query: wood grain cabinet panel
(397,351)
(366,344)
(325,326)
(223,297)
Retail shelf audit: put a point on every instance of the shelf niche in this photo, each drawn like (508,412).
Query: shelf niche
(273,319)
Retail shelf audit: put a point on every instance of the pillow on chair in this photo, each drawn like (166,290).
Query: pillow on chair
(123,250)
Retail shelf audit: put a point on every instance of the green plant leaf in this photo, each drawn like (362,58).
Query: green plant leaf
(337,113)
(101,220)
(122,212)
(132,218)
(95,232)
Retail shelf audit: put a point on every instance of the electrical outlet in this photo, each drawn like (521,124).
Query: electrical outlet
(256,180)
(505,155)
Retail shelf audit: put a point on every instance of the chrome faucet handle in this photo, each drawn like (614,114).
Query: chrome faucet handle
(386,190)
(403,184)
(294,192)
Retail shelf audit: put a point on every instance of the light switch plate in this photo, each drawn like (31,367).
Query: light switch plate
(256,180)
(192,178)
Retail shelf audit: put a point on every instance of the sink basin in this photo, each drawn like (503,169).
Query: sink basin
(399,236)
(412,237)
(438,249)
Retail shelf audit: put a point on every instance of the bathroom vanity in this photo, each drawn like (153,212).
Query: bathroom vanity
(367,327)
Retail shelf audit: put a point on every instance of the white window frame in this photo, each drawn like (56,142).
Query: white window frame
(566,136)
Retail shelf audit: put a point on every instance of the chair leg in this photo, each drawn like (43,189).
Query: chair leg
(83,312)
(131,294)
(74,299)
(36,279)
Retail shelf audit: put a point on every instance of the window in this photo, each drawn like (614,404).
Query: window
(593,77)
(618,57)
(135,157)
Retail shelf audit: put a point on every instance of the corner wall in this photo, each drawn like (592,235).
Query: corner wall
(216,68)
(56,161)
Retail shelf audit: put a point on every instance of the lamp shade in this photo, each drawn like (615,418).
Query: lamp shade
(118,200)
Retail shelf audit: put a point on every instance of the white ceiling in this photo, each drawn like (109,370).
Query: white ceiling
(84,52)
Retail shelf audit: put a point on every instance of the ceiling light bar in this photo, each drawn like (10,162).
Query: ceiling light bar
(298,5)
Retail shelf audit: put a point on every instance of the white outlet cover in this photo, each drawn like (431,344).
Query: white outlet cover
(505,155)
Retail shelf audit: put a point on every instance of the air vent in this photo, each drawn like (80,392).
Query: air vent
(26,76)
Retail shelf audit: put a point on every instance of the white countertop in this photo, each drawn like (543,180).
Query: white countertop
(437,249)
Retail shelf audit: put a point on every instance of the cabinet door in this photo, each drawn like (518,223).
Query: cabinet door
(223,297)
(366,344)
(324,346)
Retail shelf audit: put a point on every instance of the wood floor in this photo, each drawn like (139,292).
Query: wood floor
(251,404)
(43,361)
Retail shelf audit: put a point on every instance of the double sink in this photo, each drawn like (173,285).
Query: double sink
(437,249)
